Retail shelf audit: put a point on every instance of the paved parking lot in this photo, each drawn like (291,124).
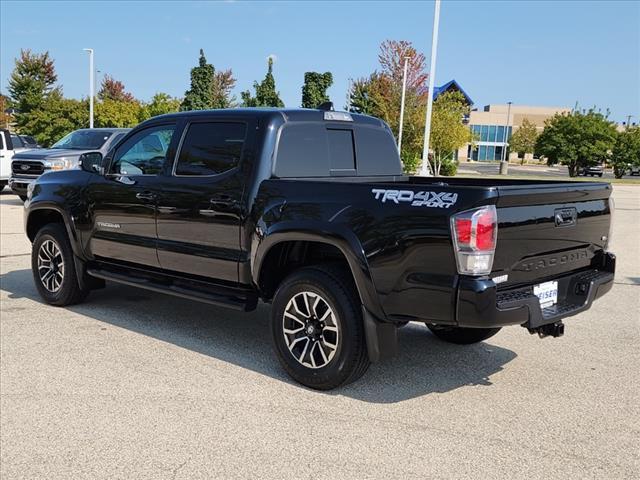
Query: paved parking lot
(132,384)
(556,171)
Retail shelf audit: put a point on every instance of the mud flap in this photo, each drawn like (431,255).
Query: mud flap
(382,337)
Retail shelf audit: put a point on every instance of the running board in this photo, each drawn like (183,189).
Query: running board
(221,295)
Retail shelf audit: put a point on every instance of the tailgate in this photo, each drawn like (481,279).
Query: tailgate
(548,230)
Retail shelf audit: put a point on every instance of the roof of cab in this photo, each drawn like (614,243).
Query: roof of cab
(287,114)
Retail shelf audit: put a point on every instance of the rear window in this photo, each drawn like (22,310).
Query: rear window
(211,148)
(313,149)
(341,150)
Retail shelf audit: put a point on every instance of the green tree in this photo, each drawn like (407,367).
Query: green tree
(524,138)
(359,97)
(200,95)
(266,93)
(314,90)
(112,89)
(160,104)
(448,133)
(56,117)
(117,114)
(626,151)
(577,139)
(31,83)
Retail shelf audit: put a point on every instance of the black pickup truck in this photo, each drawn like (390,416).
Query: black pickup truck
(309,210)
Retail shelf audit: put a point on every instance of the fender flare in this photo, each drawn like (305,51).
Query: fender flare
(78,257)
(380,335)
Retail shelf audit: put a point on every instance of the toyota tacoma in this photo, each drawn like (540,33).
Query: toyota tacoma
(309,210)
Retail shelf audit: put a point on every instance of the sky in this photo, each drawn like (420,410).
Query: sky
(545,53)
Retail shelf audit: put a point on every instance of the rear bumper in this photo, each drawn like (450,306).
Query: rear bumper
(481,305)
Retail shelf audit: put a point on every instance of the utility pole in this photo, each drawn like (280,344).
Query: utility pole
(91,85)
(404,90)
(425,171)
(504,161)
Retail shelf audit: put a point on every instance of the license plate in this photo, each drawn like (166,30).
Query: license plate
(547,293)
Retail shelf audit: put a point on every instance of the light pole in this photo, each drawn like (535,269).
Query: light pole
(404,90)
(504,161)
(424,171)
(91,85)
(95,81)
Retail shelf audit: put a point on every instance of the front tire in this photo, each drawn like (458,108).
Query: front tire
(461,335)
(53,267)
(317,328)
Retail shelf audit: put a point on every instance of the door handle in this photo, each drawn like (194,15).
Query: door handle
(223,199)
(149,196)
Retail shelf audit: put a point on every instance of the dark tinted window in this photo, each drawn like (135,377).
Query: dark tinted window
(211,148)
(377,152)
(1,141)
(341,154)
(303,151)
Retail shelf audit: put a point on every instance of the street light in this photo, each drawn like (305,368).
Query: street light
(504,161)
(404,89)
(91,85)
(424,171)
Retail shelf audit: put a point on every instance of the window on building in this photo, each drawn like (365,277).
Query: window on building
(500,137)
(498,153)
(484,133)
(211,148)
(482,153)
(492,133)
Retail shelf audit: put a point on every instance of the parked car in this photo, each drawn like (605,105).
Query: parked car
(309,210)
(10,144)
(27,166)
(592,170)
(634,169)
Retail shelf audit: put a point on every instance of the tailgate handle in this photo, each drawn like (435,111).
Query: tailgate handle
(565,217)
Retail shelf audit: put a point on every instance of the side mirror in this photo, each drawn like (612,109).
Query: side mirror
(92,162)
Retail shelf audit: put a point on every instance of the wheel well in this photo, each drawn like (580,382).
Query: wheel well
(39,219)
(285,257)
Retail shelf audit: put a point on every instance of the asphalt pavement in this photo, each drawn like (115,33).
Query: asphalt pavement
(136,385)
(533,170)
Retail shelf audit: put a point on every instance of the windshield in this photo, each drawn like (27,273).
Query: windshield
(17,141)
(83,140)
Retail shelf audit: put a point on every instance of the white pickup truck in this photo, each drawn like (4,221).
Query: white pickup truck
(10,144)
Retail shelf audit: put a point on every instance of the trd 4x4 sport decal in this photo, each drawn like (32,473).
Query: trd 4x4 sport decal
(417,199)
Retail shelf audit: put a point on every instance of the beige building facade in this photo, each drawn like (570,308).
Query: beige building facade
(494,125)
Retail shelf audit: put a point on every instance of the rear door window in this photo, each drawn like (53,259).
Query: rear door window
(211,148)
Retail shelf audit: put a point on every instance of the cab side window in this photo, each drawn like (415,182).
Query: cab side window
(210,148)
(144,153)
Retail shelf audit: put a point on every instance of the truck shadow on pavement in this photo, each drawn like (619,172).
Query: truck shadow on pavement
(423,365)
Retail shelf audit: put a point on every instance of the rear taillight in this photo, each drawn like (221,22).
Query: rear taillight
(474,239)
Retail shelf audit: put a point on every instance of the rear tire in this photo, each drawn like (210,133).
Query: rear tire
(461,335)
(317,328)
(53,267)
